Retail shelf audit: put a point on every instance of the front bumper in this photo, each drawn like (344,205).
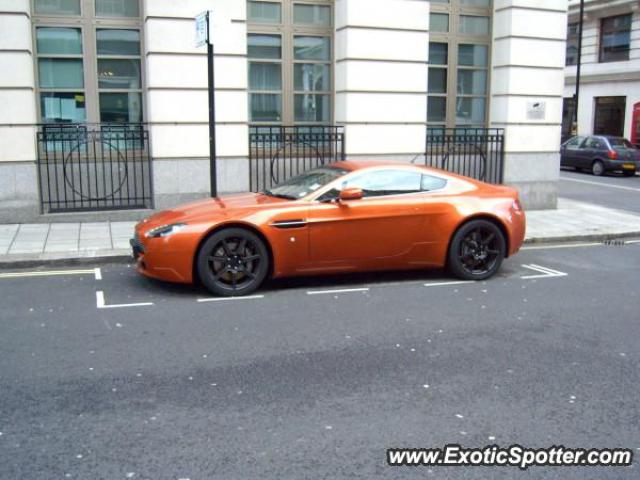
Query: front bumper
(169,259)
(137,248)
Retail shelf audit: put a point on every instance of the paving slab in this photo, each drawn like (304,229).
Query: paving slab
(574,220)
(8,231)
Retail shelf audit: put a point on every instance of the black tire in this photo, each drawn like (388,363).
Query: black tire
(232,262)
(629,173)
(477,250)
(597,168)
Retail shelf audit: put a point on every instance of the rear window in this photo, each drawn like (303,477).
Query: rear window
(432,183)
(620,143)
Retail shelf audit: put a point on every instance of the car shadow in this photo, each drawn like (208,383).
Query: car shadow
(349,280)
(588,173)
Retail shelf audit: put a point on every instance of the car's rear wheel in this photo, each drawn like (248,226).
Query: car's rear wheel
(233,261)
(597,168)
(477,250)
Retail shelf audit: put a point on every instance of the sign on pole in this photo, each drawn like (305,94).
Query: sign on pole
(202,30)
(203,36)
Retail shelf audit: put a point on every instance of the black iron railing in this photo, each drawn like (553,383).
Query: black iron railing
(90,167)
(474,152)
(279,153)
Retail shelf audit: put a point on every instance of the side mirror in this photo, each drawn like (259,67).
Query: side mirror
(350,194)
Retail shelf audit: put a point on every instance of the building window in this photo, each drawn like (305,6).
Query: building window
(609,116)
(437,83)
(572,44)
(439,22)
(119,75)
(615,38)
(471,92)
(88,61)
(290,50)
(57,7)
(61,74)
(459,63)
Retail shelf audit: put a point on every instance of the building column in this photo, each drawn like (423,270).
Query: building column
(381,54)
(527,78)
(19,196)
(177,105)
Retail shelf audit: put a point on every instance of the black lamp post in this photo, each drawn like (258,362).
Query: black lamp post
(576,96)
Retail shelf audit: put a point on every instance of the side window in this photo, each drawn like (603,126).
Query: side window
(594,143)
(432,183)
(386,182)
(574,143)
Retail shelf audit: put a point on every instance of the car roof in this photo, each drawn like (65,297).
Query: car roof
(354,165)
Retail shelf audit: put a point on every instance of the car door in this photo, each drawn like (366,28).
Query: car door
(384,223)
(589,151)
(569,152)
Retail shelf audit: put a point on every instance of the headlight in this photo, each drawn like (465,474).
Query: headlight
(165,230)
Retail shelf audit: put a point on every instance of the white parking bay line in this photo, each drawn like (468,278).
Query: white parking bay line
(98,274)
(341,290)
(600,184)
(441,284)
(46,273)
(226,299)
(546,272)
(100,303)
(570,245)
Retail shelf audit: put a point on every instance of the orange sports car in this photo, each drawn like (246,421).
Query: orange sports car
(343,217)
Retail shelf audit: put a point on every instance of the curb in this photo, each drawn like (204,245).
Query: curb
(594,237)
(43,259)
(124,256)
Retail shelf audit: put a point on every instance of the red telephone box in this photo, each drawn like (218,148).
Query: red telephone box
(635,125)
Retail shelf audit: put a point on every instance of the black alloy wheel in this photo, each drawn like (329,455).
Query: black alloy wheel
(477,250)
(232,262)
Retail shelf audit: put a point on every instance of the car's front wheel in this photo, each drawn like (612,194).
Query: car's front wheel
(232,262)
(629,173)
(477,250)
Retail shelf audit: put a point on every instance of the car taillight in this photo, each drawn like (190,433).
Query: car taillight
(612,154)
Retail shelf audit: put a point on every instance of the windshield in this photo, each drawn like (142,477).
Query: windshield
(620,143)
(306,183)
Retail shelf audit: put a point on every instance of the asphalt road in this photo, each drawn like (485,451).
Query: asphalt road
(308,382)
(612,190)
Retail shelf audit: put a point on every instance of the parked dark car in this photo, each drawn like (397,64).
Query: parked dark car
(600,154)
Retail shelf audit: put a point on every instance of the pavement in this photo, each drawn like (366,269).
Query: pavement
(110,375)
(29,244)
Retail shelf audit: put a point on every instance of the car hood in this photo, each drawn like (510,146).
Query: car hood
(212,208)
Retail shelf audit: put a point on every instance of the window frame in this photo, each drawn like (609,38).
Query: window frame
(453,39)
(89,24)
(288,30)
(572,41)
(601,52)
(600,103)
